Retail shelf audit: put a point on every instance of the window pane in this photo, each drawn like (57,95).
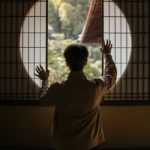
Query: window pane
(131,42)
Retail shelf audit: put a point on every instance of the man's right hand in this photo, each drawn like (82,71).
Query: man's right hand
(106,47)
(41,73)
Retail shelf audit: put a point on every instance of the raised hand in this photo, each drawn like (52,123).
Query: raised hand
(106,47)
(41,73)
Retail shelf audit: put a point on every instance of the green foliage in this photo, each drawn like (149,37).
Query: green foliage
(67,16)
(53,17)
(57,66)
(66,21)
(66,13)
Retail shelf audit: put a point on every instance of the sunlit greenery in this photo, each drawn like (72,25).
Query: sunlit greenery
(66,21)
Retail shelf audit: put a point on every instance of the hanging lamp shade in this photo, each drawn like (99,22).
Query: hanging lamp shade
(92,30)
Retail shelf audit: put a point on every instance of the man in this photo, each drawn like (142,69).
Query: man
(77,122)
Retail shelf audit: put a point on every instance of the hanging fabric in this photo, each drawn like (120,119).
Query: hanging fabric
(92,30)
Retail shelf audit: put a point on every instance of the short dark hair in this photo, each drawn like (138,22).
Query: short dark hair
(76,55)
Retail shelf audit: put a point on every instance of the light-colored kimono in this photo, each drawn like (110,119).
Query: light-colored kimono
(77,122)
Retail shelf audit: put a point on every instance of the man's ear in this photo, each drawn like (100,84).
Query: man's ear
(85,62)
(67,64)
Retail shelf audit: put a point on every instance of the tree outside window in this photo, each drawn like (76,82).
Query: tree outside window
(66,19)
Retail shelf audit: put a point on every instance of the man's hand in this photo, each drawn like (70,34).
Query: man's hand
(106,47)
(41,73)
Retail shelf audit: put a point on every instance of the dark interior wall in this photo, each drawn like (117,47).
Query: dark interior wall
(29,126)
(25,127)
(124,126)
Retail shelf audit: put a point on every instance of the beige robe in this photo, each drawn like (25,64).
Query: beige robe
(77,122)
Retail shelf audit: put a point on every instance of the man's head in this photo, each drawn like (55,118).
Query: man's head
(76,56)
